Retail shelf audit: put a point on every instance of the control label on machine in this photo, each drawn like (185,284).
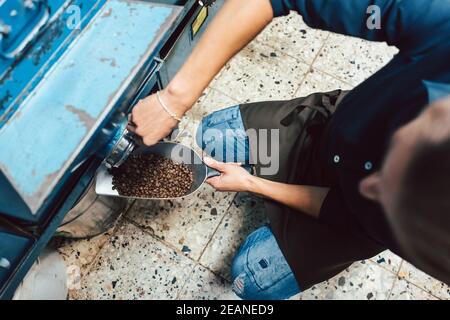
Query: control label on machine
(199,20)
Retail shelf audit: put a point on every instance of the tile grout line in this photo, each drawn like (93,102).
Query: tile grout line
(114,230)
(395,281)
(200,104)
(414,284)
(321,49)
(335,76)
(398,278)
(298,60)
(429,292)
(385,270)
(225,94)
(292,56)
(217,227)
(383,267)
(189,277)
(170,246)
(311,66)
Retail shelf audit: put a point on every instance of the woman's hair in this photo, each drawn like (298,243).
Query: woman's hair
(422,218)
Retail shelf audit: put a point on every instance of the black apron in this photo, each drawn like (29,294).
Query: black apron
(315,251)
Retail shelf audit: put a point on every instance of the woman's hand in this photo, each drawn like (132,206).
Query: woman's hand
(149,119)
(233,177)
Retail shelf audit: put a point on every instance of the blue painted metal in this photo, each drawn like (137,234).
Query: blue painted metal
(19,76)
(59,117)
(13,247)
(21,21)
(46,107)
(75,189)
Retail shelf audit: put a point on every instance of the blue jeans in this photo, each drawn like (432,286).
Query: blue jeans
(222,136)
(259,270)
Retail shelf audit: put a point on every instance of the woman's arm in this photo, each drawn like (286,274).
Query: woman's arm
(307,199)
(236,24)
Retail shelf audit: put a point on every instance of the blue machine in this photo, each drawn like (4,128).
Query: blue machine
(70,71)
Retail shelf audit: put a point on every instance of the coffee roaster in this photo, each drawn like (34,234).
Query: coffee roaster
(70,72)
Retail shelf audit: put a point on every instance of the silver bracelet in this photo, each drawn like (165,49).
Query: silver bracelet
(169,112)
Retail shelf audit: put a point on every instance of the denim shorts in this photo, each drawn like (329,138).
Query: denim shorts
(222,136)
(259,270)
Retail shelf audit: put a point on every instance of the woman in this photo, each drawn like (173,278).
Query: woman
(344,159)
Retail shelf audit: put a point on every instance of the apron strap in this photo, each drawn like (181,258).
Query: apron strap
(326,105)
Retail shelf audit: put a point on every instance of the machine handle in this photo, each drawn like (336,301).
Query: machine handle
(16,51)
(154,71)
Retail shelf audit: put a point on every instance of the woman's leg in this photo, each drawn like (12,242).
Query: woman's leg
(222,136)
(259,270)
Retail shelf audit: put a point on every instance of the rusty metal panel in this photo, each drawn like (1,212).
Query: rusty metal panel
(58,118)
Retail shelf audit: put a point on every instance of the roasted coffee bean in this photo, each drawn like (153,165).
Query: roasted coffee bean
(152,176)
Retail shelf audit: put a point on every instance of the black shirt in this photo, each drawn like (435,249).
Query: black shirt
(357,137)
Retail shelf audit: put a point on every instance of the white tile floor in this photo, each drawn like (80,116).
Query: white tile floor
(183,249)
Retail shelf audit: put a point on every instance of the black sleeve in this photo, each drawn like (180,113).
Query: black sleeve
(333,210)
(414,26)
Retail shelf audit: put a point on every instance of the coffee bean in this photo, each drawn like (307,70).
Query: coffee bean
(152,176)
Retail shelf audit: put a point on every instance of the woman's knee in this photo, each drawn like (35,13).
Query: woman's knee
(240,281)
(242,284)
(259,270)
(245,287)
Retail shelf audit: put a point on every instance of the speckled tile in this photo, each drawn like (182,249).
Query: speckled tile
(353,60)
(134,265)
(80,253)
(388,260)
(245,215)
(213,101)
(188,223)
(205,285)
(187,136)
(404,290)
(317,81)
(424,281)
(191,114)
(292,36)
(259,73)
(361,281)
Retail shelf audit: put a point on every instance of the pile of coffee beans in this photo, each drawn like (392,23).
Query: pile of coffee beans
(152,176)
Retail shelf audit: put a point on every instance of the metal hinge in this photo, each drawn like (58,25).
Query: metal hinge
(4,263)
(206,3)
